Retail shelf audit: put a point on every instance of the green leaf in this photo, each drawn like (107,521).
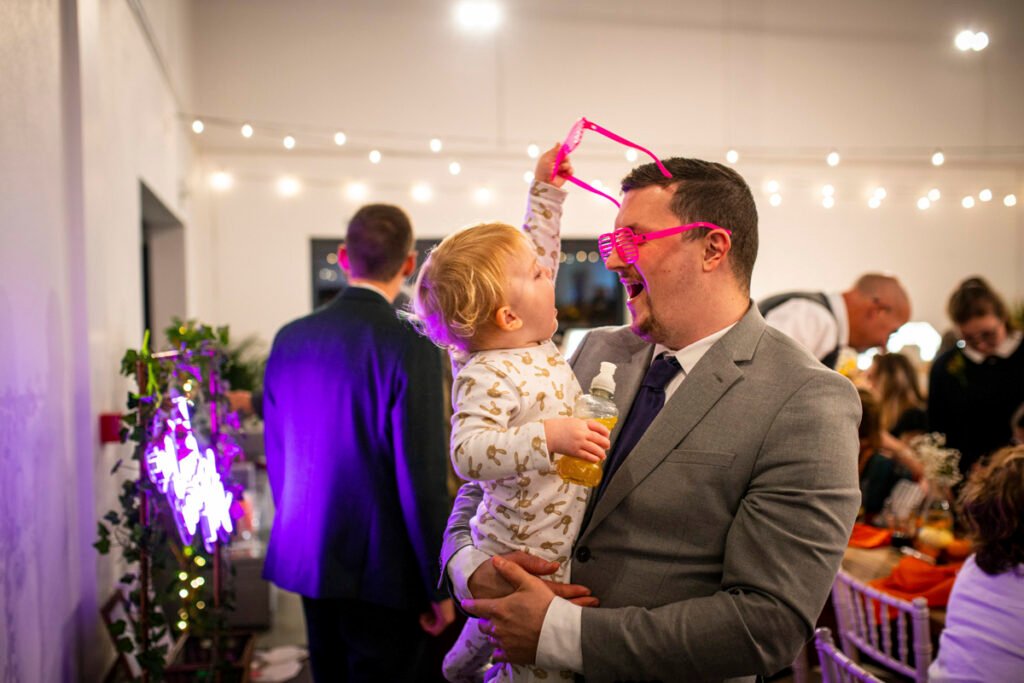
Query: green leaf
(118,627)
(124,644)
(128,579)
(102,546)
(112,516)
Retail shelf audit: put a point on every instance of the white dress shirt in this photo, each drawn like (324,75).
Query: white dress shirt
(811,325)
(560,646)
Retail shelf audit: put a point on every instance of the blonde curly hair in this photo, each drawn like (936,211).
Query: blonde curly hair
(462,283)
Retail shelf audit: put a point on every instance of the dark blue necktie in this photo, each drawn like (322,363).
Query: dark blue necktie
(649,400)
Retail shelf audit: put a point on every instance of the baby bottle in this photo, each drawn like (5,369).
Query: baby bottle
(597,405)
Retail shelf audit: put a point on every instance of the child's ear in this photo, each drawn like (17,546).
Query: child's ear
(507,320)
(343,258)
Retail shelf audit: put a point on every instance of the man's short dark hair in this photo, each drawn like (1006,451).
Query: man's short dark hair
(378,239)
(711,192)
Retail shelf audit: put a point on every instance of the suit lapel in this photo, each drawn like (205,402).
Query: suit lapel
(709,380)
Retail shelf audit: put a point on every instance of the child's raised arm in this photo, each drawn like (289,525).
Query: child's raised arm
(544,208)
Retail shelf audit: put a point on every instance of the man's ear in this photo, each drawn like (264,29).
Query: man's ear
(409,265)
(507,320)
(716,245)
(343,259)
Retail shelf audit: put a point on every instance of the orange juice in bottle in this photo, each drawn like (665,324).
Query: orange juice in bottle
(597,405)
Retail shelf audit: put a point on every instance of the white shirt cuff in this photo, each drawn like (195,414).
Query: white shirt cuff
(560,646)
(461,566)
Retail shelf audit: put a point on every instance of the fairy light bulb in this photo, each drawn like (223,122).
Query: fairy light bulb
(455,168)
(340,138)
(532,151)
(985,195)
(375,156)
(967,202)
(732,156)
(833,158)
(934,194)
(198,126)
(246,130)
(288,142)
(938,158)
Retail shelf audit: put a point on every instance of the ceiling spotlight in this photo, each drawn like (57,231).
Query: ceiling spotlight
(934,194)
(288,142)
(732,156)
(964,40)
(874,202)
(775,199)
(197,127)
(478,15)
(1010,200)
(828,202)
(533,151)
(923,203)
(827,190)
(833,158)
(631,155)
(938,158)
(980,41)
(340,138)
(879,193)
(435,145)
(288,186)
(375,156)
(357,192)
(221,181)
(422,192)
(482,195)
(455,168)
(772,186)
(985,195)
(967,202)
(246,130)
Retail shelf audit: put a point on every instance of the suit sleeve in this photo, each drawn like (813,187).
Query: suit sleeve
(782,553)
(417,420)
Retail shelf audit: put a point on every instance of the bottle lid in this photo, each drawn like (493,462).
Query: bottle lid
(605,380)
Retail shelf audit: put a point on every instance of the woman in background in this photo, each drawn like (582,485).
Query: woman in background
(975,388)
(983,639)
(892,380)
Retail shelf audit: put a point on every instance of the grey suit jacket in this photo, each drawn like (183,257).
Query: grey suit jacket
(715,544)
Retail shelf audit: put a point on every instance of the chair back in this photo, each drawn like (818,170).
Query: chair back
(870,621)
(835,666)
(905,499)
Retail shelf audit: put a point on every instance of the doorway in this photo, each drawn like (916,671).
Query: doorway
(163,266)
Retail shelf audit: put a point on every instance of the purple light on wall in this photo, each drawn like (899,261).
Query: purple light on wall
(188,476)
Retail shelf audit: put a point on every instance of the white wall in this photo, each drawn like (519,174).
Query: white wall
(87,113)
(781,82)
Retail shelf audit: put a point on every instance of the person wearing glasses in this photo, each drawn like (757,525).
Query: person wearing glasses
(862,317)
(975,387)
(730,489)
(487,294)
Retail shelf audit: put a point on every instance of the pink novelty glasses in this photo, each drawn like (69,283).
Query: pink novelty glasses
(625,242)
(572,141)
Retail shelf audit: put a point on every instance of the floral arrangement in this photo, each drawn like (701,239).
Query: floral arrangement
(941,464)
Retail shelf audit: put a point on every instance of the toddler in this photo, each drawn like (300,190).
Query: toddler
(487,294)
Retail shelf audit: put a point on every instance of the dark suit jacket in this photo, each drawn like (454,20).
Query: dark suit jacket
(356,455)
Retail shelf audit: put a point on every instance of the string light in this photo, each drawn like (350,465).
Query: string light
(874,202)
(632,155)
(435,145)
(967,202)
(969,40)
(357,192)
(934,194)
(200,561)
(183,593)
(483,195)
(455,168)
(827,190)
(246,130)
(528,177)
(198,127)
(288,142)
(775,199)
(1010,200)
(938,158)
(221,181)
(828,202)
(182,576)
(732,156)
(879,193)
(772,186)
(340,138)
(197,582)
(182,625)
(532,151)
(923,203)
(375,156)
(833,158)
(985,195)
(478,15)
(422,192)
(286,187)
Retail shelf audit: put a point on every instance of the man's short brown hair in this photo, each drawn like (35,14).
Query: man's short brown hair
(378,240)
(711,192)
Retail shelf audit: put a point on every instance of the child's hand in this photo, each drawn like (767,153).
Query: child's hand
(583,439)
(546,170)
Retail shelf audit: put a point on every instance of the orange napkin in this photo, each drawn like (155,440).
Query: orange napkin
(912,578)
(867,536)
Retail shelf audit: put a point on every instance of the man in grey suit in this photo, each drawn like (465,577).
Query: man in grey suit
(714,541)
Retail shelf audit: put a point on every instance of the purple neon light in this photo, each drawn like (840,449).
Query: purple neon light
(188,476)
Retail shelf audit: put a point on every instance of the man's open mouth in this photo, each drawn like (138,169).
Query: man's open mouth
(633,288)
